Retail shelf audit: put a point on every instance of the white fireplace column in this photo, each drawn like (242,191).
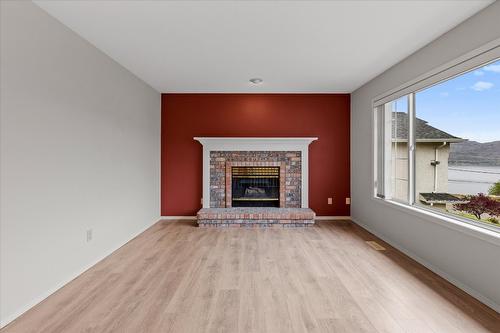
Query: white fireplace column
(256,144)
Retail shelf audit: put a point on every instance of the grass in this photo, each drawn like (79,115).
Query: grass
(472,217)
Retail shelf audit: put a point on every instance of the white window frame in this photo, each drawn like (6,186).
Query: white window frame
(466,63)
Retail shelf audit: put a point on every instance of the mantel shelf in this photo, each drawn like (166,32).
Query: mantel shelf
(255,143)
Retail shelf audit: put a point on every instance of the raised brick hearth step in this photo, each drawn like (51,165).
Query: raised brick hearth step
(255,217)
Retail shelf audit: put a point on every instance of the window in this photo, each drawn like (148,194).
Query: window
(438,148)
(394,129)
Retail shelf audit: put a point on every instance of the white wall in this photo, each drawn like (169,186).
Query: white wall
(424,171)
(80,149)
(425,152)
(470,262)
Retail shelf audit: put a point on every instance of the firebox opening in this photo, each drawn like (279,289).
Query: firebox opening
(254,186)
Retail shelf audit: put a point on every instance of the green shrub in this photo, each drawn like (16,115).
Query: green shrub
(494,189)
(493,220)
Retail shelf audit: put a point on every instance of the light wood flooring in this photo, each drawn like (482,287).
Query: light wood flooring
(176,277)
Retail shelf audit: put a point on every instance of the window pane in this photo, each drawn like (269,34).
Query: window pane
(380,132)
(399,149)
(457,154)
(392,150)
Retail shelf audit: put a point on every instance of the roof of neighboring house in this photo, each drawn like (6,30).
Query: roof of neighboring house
(440,198)
(424,131)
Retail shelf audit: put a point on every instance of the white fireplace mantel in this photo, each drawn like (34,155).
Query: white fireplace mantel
(255,144)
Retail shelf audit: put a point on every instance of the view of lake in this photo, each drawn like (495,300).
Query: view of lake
(472,179)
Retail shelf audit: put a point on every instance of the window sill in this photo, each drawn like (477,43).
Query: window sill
(449,222)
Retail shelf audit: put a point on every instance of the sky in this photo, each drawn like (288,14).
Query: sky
(467,106)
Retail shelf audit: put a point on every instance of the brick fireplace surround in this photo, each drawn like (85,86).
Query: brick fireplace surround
(289,154)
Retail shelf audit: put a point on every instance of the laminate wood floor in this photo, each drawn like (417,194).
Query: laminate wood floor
(176,277)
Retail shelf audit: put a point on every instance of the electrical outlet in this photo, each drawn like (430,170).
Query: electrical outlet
(347,201)
(89,235)
(330,201)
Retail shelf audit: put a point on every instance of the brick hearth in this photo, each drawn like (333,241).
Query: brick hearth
(255,217)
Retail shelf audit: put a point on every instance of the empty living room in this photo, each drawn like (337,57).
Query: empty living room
(249,166)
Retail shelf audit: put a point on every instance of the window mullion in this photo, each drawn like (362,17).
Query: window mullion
(380,171)
(411,148)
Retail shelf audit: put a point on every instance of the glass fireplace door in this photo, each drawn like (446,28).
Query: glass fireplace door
(255,186)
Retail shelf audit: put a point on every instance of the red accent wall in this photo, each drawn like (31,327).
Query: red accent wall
(185,116)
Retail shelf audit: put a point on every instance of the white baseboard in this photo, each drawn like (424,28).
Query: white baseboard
(433,268)
(318,218)
(9,318)
(184,217)
(331,218)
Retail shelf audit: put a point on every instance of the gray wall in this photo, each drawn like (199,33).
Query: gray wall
(465,259)
(80,149)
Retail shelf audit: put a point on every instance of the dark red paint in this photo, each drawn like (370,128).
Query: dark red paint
(185,116)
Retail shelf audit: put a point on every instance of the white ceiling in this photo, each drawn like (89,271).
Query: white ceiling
(217,46)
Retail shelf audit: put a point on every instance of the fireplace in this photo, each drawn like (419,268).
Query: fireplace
(255,186)
(255,182)
(252,183)
(285,159)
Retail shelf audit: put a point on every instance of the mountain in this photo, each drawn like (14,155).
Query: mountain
(475,153)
